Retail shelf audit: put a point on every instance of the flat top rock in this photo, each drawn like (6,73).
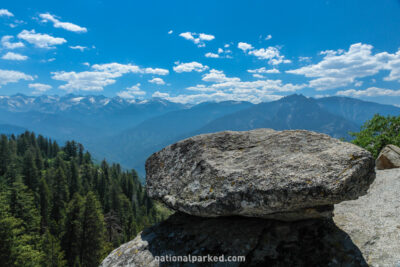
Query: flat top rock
(258,173)
(373,221)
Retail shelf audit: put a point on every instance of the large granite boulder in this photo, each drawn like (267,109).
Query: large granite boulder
(388,158)
(262,242)
(285,175)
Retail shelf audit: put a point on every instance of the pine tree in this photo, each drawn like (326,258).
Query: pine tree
(71,241)
(29,171)
(53,255)
(93,232)
(75,183)
(45,208)
(60,200)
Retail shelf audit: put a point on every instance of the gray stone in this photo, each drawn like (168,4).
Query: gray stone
(373,220)
(285,175)
(263,242)
(388,158)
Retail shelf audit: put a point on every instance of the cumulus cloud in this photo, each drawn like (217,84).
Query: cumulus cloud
(158,81)
(197,38)
(263,70)
(221,53)
(219,87)
(6,42)
(171,32)
(100,76)
(78,47)
(11,76)
(5,13)
(189,67)
(232,88)
(211,55)
(245,46)
(40,40)
(218,76)
(39,88)
(268,37)
(63,25)
(216,96)
(14,56)
(370,92)
(131,92)
(341,68)
(272,54)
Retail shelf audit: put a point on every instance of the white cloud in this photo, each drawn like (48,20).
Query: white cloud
(64,25)
(341,68)
(40,40)
(258,76)
(220,87)
(100,76)
(6,42)
(206,37)
(171,32)
(14,56)
(370,92)
(78,47)
(304,59)
(226,45)
(158,81)
(245,46)
(6,13)
(85,81)
(11,76)
(39,88)
(216,96)
(269,37)
(189,67)
(272,54)
(211,55)
(197,38)
(263,70)
(217,76)
(221,53)
(126,68)
(232,88)
(131,92)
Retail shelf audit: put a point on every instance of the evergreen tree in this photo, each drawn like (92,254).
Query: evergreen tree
(45,208)
(72,239)
(53,255)
(93,232)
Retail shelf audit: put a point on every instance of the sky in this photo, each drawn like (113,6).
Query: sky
(195,51)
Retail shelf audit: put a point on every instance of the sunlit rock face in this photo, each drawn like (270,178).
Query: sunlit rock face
(284,175)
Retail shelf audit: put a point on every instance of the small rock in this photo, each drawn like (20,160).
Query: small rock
(388,158)
(284,175)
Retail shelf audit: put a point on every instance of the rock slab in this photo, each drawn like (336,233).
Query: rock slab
(373,221)
(284,175)
(388,158)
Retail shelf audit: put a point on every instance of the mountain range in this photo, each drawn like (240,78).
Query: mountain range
(128,131)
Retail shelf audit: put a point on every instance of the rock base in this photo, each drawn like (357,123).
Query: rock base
(263,242)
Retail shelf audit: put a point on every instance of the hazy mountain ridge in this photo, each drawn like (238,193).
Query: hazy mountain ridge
(128,131)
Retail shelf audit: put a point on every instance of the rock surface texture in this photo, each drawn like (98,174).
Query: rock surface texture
(388,158)
(285,175)
(373,221)
(263,242)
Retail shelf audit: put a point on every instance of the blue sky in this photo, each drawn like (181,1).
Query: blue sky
(194,51)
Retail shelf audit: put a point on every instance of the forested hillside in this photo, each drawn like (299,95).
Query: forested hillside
(58,208)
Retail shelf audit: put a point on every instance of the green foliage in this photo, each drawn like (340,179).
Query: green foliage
(377,133)
(58,208)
